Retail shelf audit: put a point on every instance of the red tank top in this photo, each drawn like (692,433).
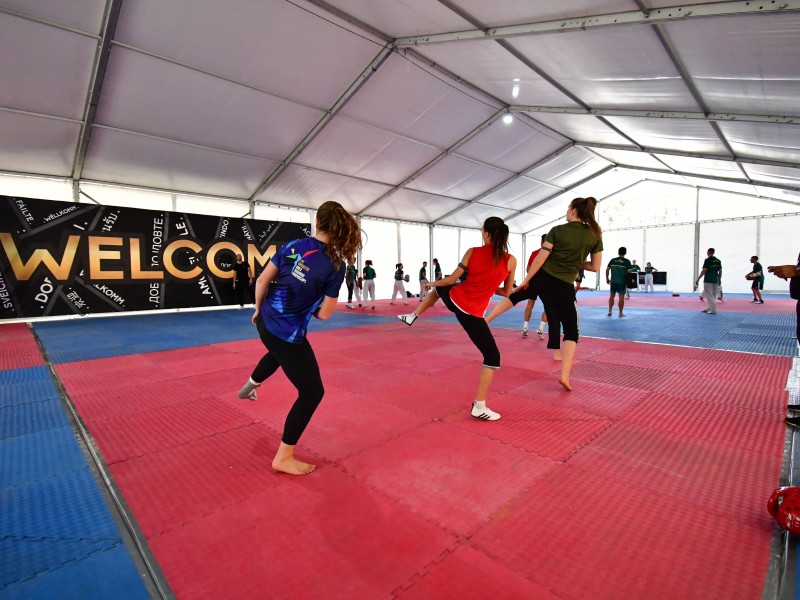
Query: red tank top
(483,278)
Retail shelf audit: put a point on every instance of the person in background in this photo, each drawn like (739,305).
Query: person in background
(648,277)
(350,280)
(792,273)
(242,279)
(437,270)
(369,283)
(489,266)
(423,280)
(633,276)
(757,277)
(529,306)
(712,280)
(307,275)
(617,277)
(399,288)
(552,277)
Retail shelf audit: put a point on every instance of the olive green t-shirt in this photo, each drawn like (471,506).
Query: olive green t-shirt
(572,243)
(619,269)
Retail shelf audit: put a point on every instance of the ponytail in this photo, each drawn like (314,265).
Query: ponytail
(344,234)
(498,232)
(585,210)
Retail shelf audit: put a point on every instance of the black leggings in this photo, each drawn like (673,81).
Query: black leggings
(558,298)
(477,329)
(300,366)
(241,288)
(350,287)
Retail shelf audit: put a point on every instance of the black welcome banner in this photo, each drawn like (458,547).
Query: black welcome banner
(59,258)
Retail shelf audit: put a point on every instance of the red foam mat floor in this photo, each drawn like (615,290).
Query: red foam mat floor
(649,480)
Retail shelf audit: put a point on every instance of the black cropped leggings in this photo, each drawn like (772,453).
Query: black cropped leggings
(300,366)
(558,298)
(476,327)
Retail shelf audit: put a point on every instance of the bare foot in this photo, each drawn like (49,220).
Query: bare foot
(565,383)
(292,466)
(557,355)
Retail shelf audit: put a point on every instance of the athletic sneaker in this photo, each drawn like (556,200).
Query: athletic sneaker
(754,301)
(540,333)
(524,332)
(248,391)
(761,302)
(408,319)
(485,414)
(349,305)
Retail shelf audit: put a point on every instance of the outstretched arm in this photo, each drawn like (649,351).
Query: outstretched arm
(456,274)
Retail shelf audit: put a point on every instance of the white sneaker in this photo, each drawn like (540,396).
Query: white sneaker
(408,319)
(485,414)
(349,306)
(524,332)
(540,333)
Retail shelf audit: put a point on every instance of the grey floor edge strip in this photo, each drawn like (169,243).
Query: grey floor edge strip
(143,558)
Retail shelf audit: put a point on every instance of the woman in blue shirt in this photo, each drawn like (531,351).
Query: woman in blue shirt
(306,275)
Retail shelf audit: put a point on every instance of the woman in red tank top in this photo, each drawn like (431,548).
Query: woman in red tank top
(486,267)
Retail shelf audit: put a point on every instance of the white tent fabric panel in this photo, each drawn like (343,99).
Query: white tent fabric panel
(210,206)
(634,159)
(716,168)
(298,186)
(33,144)
(148,95)
(474,215)
(458,178)
(126,158)
(582,128)
(611,68)
(776,248)
(423,106)
(400,19)
(470,238)
(779,175)
(120,196)
(669,249)
(764,140)
(513,146)
(46,188)
(519,194)
(408,205)
(54,76)
(258,43)
(606,184)
(734,242)
(486,65)
(356,149)
(688,136)
(717,204)
(380,246)
(509,12)
(571,167)
(649,203)
(743,64)
(414,248)
(84,15)
(445,249)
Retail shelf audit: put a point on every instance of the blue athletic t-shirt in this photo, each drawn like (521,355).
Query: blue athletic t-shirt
(305,276)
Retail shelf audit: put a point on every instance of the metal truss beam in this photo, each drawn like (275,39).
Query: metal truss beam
(656,114)
(110,18)
(766,184)
(627,18)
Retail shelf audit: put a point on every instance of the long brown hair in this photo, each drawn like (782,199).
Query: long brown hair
(585,210)
(344,234)
(498,231)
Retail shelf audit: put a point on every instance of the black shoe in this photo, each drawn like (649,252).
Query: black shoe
(792,421)
(793,406)
(761,302)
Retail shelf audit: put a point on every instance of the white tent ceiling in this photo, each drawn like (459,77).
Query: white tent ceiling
(394,107)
